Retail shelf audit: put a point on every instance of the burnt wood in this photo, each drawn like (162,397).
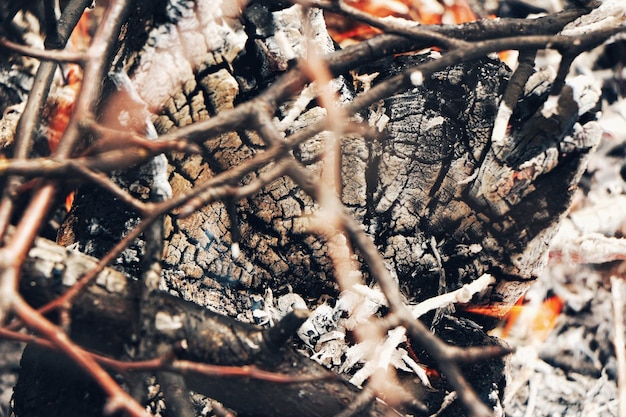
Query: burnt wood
(443,203)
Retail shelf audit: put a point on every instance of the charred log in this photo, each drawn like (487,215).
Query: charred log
(103,320)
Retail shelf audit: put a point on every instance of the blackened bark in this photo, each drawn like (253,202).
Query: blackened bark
(103,319)
(40,393)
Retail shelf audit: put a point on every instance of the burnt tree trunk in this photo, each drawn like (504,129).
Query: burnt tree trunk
(444,200)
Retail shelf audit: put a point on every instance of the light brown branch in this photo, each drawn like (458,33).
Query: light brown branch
(43,54)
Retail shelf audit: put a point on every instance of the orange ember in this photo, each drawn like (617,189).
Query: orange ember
(546,317)
(539,320)
(427,12)
(60,105)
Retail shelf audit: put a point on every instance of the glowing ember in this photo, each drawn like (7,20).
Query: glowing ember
(428,12)
(60,106)
(536,321)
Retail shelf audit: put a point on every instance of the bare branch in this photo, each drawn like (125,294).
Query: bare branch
(43,54)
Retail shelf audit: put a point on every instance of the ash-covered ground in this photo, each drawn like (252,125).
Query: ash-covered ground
(572,370)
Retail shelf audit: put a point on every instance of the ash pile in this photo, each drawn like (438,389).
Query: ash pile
(567,362)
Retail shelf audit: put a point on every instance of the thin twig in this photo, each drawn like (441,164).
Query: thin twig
(99,54)
(13,255)
(44,54)
(396,26)
(231,119)
(461,295)
(115,190)
(170,364)
(31,116)
(525,67)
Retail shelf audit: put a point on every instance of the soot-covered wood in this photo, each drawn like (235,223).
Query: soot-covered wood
(104,318)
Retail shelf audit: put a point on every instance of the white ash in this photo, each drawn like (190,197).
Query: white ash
(203,34)
(325,331)
(587,92)
(610,14)
(572,372)
(8,124)
(286,43)
(417,78)
(378,117)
